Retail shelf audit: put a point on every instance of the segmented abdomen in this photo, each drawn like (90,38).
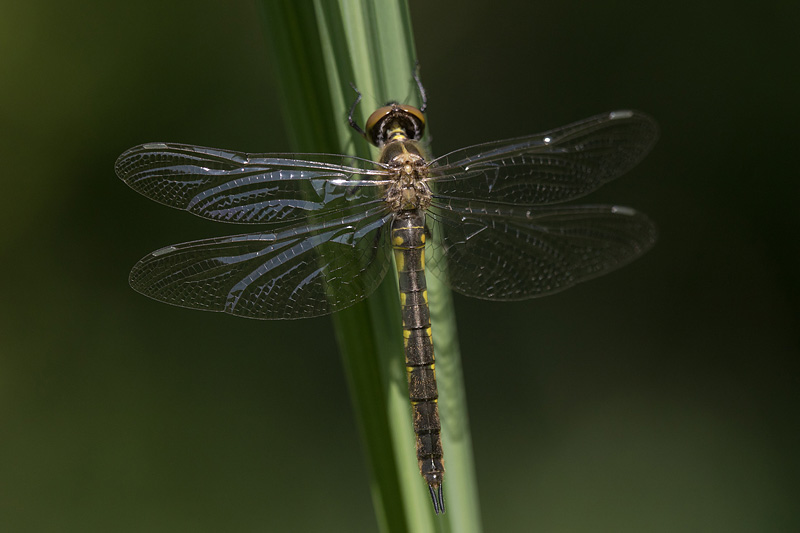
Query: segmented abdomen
(408,241)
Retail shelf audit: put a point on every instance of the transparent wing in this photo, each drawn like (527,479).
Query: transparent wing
(500,252)
(298,272)
(550,167)
(247,188)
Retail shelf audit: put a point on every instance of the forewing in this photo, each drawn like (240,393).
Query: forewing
(247,188)
(298,272)
(550,167)
(499,252)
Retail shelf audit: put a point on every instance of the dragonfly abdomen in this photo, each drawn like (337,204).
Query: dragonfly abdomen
(408,241)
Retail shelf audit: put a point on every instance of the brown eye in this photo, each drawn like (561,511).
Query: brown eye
(376,118)
(393,121)
(415,112)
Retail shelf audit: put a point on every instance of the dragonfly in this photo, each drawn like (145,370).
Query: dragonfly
(487,220)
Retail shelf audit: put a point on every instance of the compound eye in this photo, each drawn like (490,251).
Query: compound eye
(374,123)
(394,116)
(416,113)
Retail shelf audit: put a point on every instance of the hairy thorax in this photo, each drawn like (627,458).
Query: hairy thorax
(409,189)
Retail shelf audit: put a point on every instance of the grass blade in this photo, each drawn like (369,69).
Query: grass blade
(319,47)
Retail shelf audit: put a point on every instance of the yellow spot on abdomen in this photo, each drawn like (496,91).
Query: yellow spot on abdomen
(400,260)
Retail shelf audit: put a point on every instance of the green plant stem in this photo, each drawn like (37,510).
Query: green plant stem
(319,47)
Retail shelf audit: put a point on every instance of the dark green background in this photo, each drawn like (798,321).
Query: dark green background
(663,397)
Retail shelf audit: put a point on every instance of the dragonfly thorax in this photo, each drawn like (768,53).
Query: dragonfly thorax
(408,189)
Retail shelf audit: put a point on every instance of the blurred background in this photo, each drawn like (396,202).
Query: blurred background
(662,397)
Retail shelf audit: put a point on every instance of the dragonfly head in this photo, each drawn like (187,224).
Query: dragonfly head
(395,122)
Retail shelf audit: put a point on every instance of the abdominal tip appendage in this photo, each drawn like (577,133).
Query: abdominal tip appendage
(437,497)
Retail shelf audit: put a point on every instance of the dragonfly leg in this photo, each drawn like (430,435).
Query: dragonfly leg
(350,119)
(423,96)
